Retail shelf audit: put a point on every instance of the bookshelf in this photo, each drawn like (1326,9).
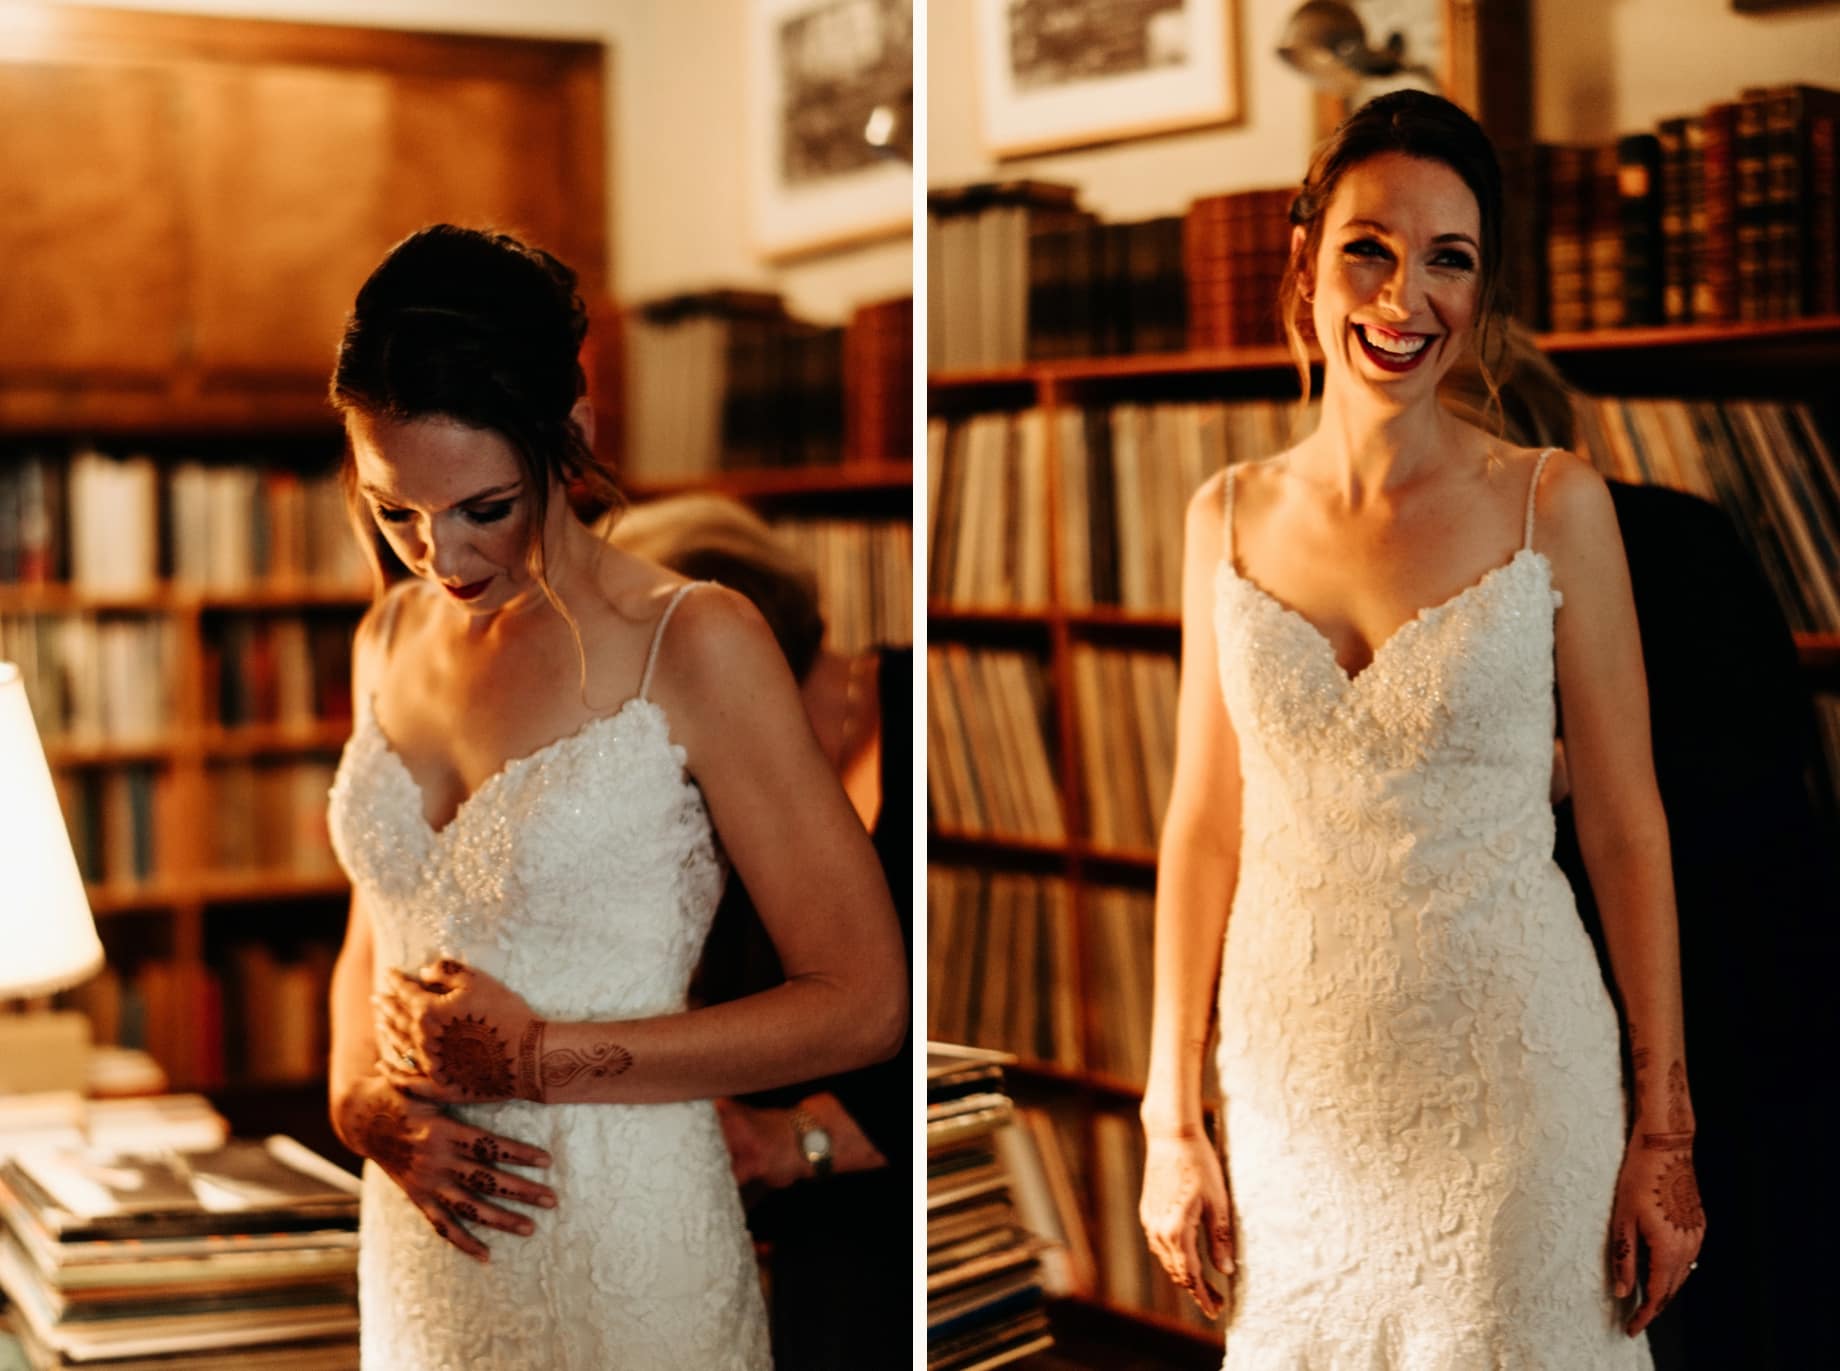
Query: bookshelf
(1782,359)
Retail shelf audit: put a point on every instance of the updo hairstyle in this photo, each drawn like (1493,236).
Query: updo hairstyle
(480,328)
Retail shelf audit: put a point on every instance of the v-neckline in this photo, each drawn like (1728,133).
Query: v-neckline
(1351,679)
(507,768)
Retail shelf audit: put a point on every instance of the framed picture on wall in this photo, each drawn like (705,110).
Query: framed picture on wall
(819,70)
(1071,73)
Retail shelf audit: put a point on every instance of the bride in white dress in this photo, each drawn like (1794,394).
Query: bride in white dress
(559,749)
(1427,1161)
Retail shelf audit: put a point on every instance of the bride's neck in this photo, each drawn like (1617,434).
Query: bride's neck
(1365,449)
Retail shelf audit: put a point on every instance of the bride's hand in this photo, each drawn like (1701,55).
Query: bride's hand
(1657,1201)
(445,1167)
(1185,1196)
(454,1034)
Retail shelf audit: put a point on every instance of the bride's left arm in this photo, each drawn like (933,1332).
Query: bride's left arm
(793,839)
(1623,837)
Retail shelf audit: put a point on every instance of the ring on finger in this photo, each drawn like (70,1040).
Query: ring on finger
(407,1059)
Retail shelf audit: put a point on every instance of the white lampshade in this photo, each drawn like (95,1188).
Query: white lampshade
(47,935)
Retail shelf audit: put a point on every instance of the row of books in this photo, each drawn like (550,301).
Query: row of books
(728,380)
(257,1017)
(1729,214)
(209,1258)
(1004,969)
(93,679)
(119,525)
(1001,964)
(1124,704)
(132,825)
(984,1296)
(1768,464)
(1017,271)
(988,769)
(1123,477)
(865,573)
(287,670)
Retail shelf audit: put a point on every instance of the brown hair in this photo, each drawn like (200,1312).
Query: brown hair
(477,327)
(1433,129)
(480,328)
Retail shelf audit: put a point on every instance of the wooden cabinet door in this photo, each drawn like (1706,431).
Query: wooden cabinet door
(91,238)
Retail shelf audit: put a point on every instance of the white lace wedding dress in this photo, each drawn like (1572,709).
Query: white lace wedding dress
(584,876)
(1419,1058)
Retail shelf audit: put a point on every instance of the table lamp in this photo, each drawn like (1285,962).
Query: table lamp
(48,937)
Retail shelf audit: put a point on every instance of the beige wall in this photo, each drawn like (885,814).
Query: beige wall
(1601,67)
(1605,67)
(676,179)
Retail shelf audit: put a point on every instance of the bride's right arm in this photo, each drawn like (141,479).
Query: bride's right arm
(1198,858)
(1184,1209)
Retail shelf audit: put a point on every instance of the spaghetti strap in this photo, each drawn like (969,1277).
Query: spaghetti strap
(1533,487)
(651,658)
(1226,529)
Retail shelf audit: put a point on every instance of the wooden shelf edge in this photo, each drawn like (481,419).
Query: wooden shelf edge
(121,897)
(165,598)
(1163,1323)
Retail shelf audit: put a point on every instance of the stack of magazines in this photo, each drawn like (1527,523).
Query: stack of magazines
(215,1258)
(984,1303)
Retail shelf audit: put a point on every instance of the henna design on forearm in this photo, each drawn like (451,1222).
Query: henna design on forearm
(600,1061)
(1667,1142)
(1678,1194)
(530,1053)
(474,1059)
(1678,1119)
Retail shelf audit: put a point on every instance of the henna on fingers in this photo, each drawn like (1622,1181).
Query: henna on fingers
(466,1209)
(482,1183)
(1619,1250)
(487,1151)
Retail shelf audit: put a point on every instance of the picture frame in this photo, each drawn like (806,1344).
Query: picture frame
(817,68)
(1056,74)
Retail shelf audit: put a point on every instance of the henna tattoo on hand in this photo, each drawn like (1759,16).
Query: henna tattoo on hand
(440,1228)
(1678,1193)
(474,1059)
(466,1209)
(380,1136)
(1668,1142)
(600,1061)
(487,1151)
(1620,1249)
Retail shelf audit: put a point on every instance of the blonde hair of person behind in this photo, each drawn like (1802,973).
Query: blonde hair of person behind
(714,538)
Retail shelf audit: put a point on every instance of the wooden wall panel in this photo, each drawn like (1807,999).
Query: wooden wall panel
(90,236)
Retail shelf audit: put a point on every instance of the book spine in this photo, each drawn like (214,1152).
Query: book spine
(1639,198)
(1715,284)
(1676,237)
(1750,162)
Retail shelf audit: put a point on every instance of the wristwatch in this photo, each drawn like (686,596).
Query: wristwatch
(814,1141)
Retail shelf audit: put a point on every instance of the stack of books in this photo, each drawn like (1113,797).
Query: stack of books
(223,1257)
(726,380)
(1234,250)
(1729,214)
(984,1300)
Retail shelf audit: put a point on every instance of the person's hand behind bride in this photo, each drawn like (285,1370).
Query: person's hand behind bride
(445,1167)
(1185,1196)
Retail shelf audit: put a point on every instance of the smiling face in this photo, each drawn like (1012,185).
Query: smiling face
(452,501)
(1397,276)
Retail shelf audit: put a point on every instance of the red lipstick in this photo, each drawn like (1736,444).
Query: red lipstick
(469,592)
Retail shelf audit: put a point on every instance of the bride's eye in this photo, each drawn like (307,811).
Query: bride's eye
(489,514)
(1367,249)
(392,516)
